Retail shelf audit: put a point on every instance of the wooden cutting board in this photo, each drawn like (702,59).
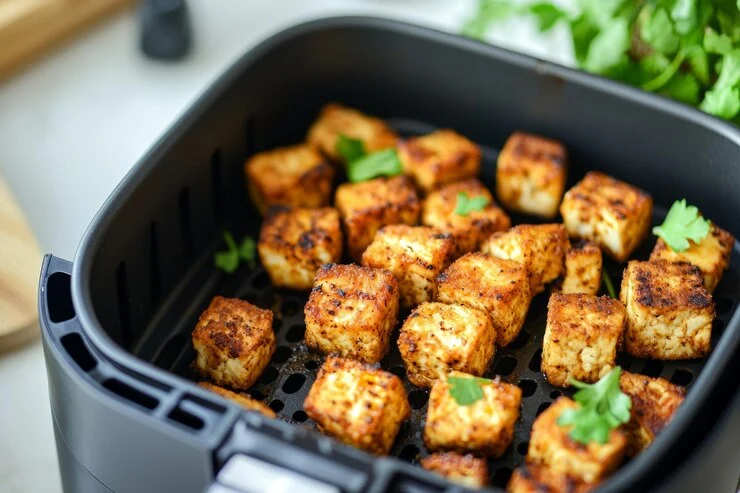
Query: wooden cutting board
(20,265)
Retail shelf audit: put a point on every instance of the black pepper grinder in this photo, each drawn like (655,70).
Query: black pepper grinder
(165,29)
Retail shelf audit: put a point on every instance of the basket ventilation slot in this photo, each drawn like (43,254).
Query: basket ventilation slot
(60,305)
(131,394)
(75,347)
(185,418)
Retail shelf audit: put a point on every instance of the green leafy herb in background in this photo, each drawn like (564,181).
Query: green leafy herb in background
(608,283)
(683,223)
(465,204)
(229,260)
(362,166)
(466,390)
(602,407)
(350,149)
(688,50)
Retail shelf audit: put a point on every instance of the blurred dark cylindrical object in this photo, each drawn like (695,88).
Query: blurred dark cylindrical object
(165,29)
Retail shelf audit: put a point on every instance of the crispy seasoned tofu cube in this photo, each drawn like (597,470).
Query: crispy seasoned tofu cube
(583,263)
(358,404)
(495,286)
(581,337)
(529,478)
(367,206)
(711,255)
(295,176)
(539,247)
(551,447)
(530,174)
(352,311)
(654,402)
(485,427)
(669,311)
(468,231)
(438,338)
(233,342)
(610,212)
(294,243)
(467,470)
(438,158)
(243,400)
(415,255)
(335,120)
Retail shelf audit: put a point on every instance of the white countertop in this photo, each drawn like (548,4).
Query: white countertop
(72,125)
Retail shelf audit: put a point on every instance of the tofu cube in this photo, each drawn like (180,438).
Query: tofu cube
(530,174)
(295,243)
(335,120)
(485,427)
(468,231)
(529,478)
(540,248)
(583,264)
(367,206)
(466,470)
(358,404)
(439,158)
(415,255)
(351,311)
(295,176)
(233,342)
(610,212)
(669,311)
(495,286)
(243,400)
(711,255)
(654,402)
(552,448)
(438,338)
(581,337)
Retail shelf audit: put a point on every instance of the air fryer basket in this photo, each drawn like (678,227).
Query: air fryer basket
(117,323)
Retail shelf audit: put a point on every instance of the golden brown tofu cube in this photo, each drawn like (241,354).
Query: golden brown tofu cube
(529,478)
(583,263)
(539,247)
(669,311)
(495,286)
(438,158)
(551,447)
(612,213)
(654,402)
(352,311)
(295,176)
(295,243)
(530,174)
(711,255)
(233,342)
(468,231)
(415,255)
(581,337)
(243,400)
(467,470)
(358,404)
(335,120)
(438,338)
(485,427)
(368,206)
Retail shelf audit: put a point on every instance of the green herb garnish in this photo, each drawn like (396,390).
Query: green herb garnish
(466,204)
(602,407)
(683,223)
(229,260)
(380,163)
(608,284)
(350,149)
(467,390)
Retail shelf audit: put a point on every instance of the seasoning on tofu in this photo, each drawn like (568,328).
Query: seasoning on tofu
(242,399)
(530,174)
(466,470)
(352,311)
(234,342)
(613,214)
(529,478)
(583,265)
(358,404)
(295,176)
(438,338)
(367,206)
(415,255)
(669,311)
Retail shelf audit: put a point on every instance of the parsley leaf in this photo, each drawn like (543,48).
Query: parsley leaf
(228,260)
(466,205)
(489,12)
(350,149)
(657,31)
(466,390)
(248,251)
(602,407)
(683,223)
(380,163)
(608,284)
(685,15)
(609,47)
(547,15)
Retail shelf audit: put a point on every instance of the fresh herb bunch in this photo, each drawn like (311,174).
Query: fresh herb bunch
(467,390)
(602,407)
(683,223)
(688,50)
(362,165)
(229,259)
(466,204)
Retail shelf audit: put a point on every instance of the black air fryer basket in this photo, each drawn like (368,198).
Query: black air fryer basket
(116,324)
